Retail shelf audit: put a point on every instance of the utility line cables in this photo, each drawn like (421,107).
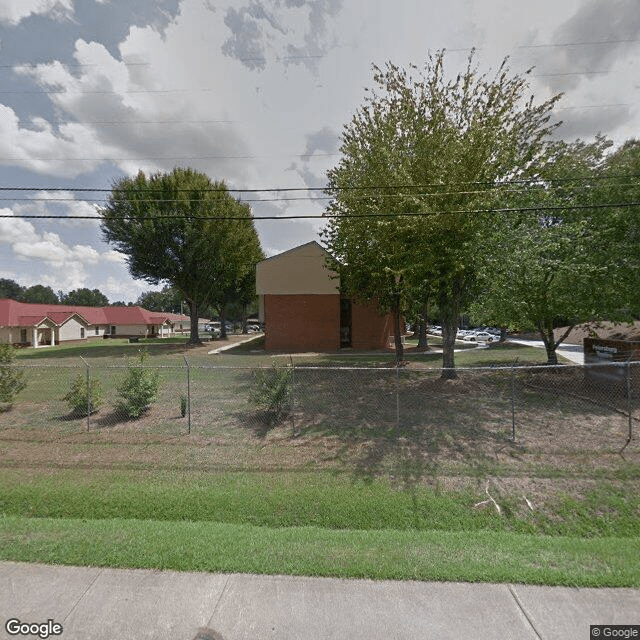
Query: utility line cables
(428,185)
(314,198)
(324,216)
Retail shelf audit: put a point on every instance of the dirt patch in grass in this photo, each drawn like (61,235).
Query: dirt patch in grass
(408,424)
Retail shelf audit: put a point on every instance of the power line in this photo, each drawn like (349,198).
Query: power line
(138,122)
(102,92)
(77,65)
(428,185)
(575,44)
(385,196)
(140,158)
(424,214)
(594,106)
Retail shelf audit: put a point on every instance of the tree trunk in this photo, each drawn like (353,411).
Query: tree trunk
(549,343)
(194,337)
(449,303)
(244,318)
(397,334)
(422,328)
(449,332)
(223,323)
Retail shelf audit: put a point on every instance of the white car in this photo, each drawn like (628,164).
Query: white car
(480,336)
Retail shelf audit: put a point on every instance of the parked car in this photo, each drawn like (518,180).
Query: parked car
(480,336)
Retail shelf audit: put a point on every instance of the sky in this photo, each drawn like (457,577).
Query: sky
(253,92)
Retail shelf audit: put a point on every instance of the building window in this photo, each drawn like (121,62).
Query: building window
(81,332)
(113,330)
(97,330)
(23,335)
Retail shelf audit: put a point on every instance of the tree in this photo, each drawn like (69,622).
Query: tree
(10,289)
(182,229)
(169,299)
(86,298)
(241,291)
(84,396)
(558,261)
(432,148)
(40,294)
(12,381)
(138,388)
(620,186)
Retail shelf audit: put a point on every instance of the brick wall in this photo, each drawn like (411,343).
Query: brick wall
(302,322)
(369,328)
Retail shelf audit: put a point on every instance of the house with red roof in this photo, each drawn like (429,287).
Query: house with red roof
(28,324)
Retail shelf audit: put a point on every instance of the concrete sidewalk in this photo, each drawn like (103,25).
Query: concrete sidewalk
(572,352)
(134,604)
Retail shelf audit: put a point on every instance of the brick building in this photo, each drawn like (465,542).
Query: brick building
(301,306)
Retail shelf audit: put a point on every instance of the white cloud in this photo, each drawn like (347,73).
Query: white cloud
(124,288)
(186,95)
(13,11)
(60,203)
(51,249)
(45,151)
(61,265)
(14,229)
(113,256)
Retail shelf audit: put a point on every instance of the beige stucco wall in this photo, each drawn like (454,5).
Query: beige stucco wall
(299,271)
(70,330)
(131,330)
(91,330)
(9,335)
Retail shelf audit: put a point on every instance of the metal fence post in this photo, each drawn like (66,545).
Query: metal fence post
(397,403)
(629,404)
(86,364)
(513,402)
(293,396)
(188,395)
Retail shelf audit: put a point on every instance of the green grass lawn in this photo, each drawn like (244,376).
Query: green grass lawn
(313,524)
(312,551)
(345,491)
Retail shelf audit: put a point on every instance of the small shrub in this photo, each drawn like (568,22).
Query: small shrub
(271,392)
(83,400)
(12,381)
(138,388)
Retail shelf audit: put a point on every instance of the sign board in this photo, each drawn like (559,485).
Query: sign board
(600,351)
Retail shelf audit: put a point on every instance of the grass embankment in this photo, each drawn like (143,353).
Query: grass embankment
(321,523)
(314,524)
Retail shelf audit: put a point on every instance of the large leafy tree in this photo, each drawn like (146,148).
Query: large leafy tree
(169,299)
(559,260)
(86,297)
(620,189)
(428,146)
(40,294)
(10,289)
(242,290)
(182,229)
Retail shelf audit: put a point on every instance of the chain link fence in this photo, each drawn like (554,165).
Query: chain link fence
(543,410)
